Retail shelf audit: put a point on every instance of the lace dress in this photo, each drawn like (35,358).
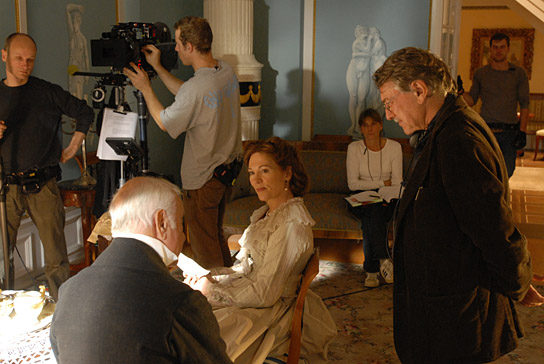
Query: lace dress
(253,301)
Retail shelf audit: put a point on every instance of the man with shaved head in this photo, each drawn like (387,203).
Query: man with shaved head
(31,149)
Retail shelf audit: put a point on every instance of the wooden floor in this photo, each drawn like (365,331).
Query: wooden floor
(527,209)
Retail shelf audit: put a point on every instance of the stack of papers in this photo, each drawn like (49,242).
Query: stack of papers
(386,193)
(364,198)
(115,124)
(190,267)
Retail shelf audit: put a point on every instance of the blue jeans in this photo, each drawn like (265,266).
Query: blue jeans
(506,143)
(374,222)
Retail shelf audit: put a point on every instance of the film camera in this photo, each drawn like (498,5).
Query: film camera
(123,44)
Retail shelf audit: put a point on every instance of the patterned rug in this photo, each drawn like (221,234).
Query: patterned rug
(365,322)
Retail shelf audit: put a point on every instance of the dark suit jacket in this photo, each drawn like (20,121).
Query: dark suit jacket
(126,308)
(459,260)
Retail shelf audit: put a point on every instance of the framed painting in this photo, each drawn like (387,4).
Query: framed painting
(521,48)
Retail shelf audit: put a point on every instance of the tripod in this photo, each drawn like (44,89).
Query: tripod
(8,284)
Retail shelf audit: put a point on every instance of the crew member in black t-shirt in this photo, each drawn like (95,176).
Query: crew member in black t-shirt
(31,149)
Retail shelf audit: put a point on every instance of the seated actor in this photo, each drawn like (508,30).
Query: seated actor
(254,300)
(126,307)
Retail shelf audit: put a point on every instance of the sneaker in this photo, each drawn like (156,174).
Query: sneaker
(372,280)
(386,268)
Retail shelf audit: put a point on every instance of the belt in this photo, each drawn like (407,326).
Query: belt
(503,126)
(38,175)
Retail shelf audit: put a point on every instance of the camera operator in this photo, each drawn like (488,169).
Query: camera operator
(30,134)
(207,108)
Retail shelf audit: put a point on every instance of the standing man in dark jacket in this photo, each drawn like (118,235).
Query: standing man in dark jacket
(460,263)
(31,147)
(126,307)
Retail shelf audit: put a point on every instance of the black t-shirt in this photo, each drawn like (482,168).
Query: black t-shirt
(32,113)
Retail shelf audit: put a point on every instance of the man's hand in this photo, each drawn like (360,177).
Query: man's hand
(532,298)
(139,78)
(152,55)
(387,182)
(3,128)
(70,151)
(201,284)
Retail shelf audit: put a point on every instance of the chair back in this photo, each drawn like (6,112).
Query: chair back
(310,271)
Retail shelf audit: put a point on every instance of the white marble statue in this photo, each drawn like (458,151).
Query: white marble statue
(358,76)
(368,54)
(79,55)
(378,57)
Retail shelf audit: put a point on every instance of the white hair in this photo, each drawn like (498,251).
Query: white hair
(135,204)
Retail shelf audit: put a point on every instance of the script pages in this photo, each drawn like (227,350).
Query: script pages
(190,267)
(364,198)
(386,193)
(118,125)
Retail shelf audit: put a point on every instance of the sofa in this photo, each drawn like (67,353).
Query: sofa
(325,163)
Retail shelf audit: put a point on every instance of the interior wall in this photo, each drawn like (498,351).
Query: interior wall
(7,26)
(475,18)
(401,23)
(48,26)
(278,40)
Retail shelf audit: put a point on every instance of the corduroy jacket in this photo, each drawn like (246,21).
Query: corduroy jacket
(460,263)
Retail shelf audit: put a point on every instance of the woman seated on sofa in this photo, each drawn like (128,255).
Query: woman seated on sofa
(253,301)
(373,163)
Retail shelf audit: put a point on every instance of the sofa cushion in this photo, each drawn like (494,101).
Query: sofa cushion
(327,170)
(330,212)
(241,187)
(327,209)
(238,212)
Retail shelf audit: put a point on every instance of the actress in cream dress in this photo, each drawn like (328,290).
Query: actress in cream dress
(253,301)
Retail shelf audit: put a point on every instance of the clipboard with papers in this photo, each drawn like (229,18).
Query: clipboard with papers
(384,194)
(115,124)
(364,198)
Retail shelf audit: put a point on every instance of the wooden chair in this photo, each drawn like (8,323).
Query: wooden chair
(310,271)
(539,135)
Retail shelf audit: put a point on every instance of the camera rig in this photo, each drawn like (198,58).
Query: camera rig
(117,49)
(123,44)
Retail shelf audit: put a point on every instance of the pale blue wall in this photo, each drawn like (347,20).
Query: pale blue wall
(402,23)
(278,40)
(47,25)
(278,46)
(7,26)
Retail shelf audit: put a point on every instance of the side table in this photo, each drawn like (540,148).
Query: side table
(82,197)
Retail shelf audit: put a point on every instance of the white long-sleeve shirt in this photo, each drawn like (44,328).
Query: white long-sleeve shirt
(367,170)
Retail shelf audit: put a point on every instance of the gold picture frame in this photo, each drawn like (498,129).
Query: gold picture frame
(521,48)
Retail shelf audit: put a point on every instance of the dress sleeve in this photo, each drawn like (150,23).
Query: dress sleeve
(264,285)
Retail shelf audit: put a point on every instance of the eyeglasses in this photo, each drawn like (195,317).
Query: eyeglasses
(387,104)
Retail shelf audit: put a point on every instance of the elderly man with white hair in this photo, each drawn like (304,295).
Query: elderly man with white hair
(126,307)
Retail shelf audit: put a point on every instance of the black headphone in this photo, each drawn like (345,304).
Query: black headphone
(416,138)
